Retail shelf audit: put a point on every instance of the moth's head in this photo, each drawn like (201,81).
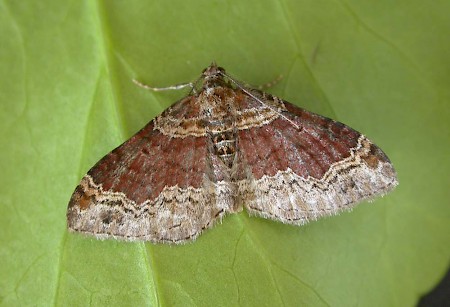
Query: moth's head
(213,72)
(213,75)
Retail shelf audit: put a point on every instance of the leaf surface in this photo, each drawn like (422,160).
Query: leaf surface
(67,99)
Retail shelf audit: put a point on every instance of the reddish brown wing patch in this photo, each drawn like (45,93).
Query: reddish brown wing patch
(150,161)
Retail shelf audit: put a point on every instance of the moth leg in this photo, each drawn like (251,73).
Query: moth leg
(269,84)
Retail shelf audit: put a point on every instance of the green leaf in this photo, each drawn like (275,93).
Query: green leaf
(67,99)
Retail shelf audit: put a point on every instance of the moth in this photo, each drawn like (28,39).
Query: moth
(224,147)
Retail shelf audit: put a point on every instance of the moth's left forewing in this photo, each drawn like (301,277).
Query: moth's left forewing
(152,187)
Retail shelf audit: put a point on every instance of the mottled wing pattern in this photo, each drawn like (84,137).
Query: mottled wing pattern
(304,166)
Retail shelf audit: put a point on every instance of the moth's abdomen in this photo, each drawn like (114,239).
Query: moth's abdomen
(225,146)
(223,138)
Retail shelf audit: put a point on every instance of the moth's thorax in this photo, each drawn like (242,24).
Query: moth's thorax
(215,109)
(218,102)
